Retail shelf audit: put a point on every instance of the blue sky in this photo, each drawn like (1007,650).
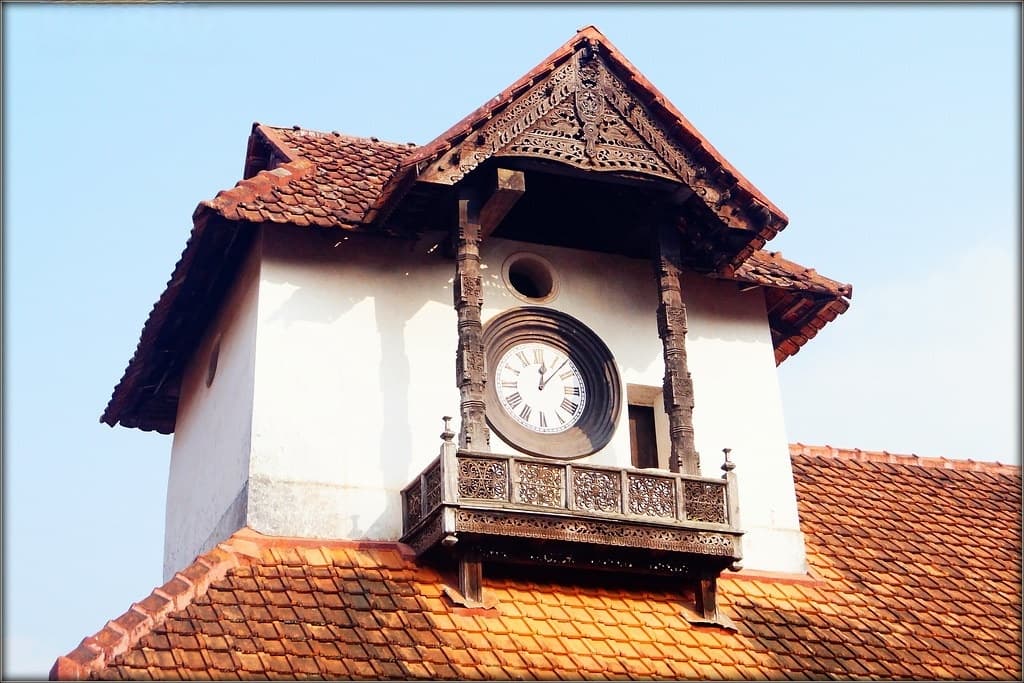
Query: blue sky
(890,136)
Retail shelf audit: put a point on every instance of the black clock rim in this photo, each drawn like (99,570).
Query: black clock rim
(594,430)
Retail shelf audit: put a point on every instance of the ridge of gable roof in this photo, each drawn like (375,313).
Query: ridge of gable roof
(901,585)
(120,634)
(661,107)
(858,455)
(232,203)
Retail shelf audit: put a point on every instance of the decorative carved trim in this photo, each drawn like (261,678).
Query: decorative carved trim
(596,490)
(578,530)
(413,504)
(652,496)
(426,536)
(432,493)
(678,386)
(485,478)
(704,502)
(583,115)
(541,484)
(578,558)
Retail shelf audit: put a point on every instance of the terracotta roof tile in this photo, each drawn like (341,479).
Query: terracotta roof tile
(849,622)
(329,180)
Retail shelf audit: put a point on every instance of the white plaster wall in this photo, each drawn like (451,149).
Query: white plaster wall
(614,296)
(355,367)
(206,489)
(738,405)
(354,370)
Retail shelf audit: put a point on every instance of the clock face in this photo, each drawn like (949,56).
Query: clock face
(540,387)
(552,388)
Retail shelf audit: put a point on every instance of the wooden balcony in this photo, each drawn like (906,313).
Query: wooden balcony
(530,510)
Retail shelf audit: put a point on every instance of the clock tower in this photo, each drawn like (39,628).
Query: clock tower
(568,285)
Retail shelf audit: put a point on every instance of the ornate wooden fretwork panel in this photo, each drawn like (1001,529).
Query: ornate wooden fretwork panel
(467,495)
(594,532)
(583,115)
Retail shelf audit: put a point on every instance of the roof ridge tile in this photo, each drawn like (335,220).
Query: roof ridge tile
(799,449)
(312,132)
(122,633)
(227,203)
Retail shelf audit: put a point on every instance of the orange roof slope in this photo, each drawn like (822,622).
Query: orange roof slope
(915,573)
(329,179)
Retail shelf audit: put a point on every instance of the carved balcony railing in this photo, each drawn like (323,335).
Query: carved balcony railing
(526,509)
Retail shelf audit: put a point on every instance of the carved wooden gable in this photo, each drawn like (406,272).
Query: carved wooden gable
(583,115)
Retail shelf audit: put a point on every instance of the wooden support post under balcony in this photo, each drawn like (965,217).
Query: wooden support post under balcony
(471,576)
(706,592)
(678,386)
(469,357)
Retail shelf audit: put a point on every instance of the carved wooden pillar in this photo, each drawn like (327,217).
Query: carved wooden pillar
(678,386)
(469,358)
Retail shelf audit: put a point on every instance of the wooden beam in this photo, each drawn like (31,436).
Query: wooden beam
(615,178)
(508,187)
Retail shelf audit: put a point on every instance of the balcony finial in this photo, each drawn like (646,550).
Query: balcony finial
(447,435)
(728,465)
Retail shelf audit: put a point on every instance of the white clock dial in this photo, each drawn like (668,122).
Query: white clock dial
(540,387)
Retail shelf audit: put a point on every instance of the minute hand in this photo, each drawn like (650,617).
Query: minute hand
(554,372)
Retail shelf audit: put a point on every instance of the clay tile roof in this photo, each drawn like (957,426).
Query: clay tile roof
(306,178)
(799,300)
(914,574)
(320,179)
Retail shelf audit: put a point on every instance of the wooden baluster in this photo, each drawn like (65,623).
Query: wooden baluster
(733,507)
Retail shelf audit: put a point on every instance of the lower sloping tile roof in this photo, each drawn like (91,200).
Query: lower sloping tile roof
(914,574)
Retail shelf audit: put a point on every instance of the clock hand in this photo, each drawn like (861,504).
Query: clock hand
(555,372)
(542,369)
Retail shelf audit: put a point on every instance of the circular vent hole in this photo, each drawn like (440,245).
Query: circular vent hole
(531,277)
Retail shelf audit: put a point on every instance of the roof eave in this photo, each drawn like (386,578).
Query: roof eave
(769,218)
(173,326)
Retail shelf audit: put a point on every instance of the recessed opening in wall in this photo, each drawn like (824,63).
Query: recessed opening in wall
(642,440)
(648,425)
(531,277)
(211,368)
